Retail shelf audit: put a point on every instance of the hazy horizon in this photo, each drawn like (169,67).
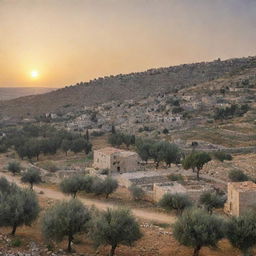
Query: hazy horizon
(55,43)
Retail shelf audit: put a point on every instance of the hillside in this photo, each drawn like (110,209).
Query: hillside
(124,87)
(8,93)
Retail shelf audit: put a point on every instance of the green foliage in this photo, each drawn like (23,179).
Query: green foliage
(165,131)
(221,156)
(81,144)
(178,202)
(65,219)
(16,242)
(116,139)
(136,192)
(159,151)
(114,227)
(31,176)
(48,165)
(104,187)
(18,207)
(77,183)
(3,148)
(177,110)
(14,167)
(143,148)
(196,161)
(230,112)
(6,187)
(237,176)
(196,228)
(176,177)
(241,232)
(66,145)
(211,200)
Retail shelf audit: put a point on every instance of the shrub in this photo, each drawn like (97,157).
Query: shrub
(16,242)
(221,156)
(237,176)
(14,167)
(177,202)
(137,192)
(176,177)
(165,131)
(49,166)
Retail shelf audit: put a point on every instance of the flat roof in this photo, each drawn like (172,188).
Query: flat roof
(244,186)
(111,150)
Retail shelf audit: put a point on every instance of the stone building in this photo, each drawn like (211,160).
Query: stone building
(194,191)
(116,159)
(241,197)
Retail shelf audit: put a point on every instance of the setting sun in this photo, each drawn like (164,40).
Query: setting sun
(34,73)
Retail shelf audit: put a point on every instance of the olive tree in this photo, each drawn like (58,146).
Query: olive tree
(177,202)
(14,167)
(241,232)
(196,161)
(196,228)
(211,200)
(65,219)
(238,176)
(136,192)
(104,186)
(20,207)
(74,184)
(113,227)
(31,176)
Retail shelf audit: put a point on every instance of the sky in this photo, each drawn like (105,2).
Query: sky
(54,43)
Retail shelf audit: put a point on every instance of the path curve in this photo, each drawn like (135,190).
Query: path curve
(57,195)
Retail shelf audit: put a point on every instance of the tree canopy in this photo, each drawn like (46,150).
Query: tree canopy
(114,227)
(196,228)
(65,219)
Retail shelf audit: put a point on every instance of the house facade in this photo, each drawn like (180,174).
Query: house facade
(241,197)
(116,160)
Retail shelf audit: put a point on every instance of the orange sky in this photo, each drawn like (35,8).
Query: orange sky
(69,41)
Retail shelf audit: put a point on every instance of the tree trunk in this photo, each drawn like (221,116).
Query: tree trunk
(112,252)
(31,186)
(107,195)
(196,250)
(14,227)
(197,174)
(70,238)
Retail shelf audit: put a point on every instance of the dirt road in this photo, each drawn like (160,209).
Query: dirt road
(144,214)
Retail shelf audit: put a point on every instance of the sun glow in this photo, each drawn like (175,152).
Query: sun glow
(34,74)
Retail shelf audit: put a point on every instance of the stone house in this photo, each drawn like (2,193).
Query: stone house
(241,197)
(193,191)
(116,160)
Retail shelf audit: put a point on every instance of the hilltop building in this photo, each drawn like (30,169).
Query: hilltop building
(116,159)
(241,197)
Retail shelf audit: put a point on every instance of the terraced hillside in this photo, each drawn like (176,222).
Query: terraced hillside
(124,87)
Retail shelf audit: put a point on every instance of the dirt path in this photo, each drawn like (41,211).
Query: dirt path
(56,195)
